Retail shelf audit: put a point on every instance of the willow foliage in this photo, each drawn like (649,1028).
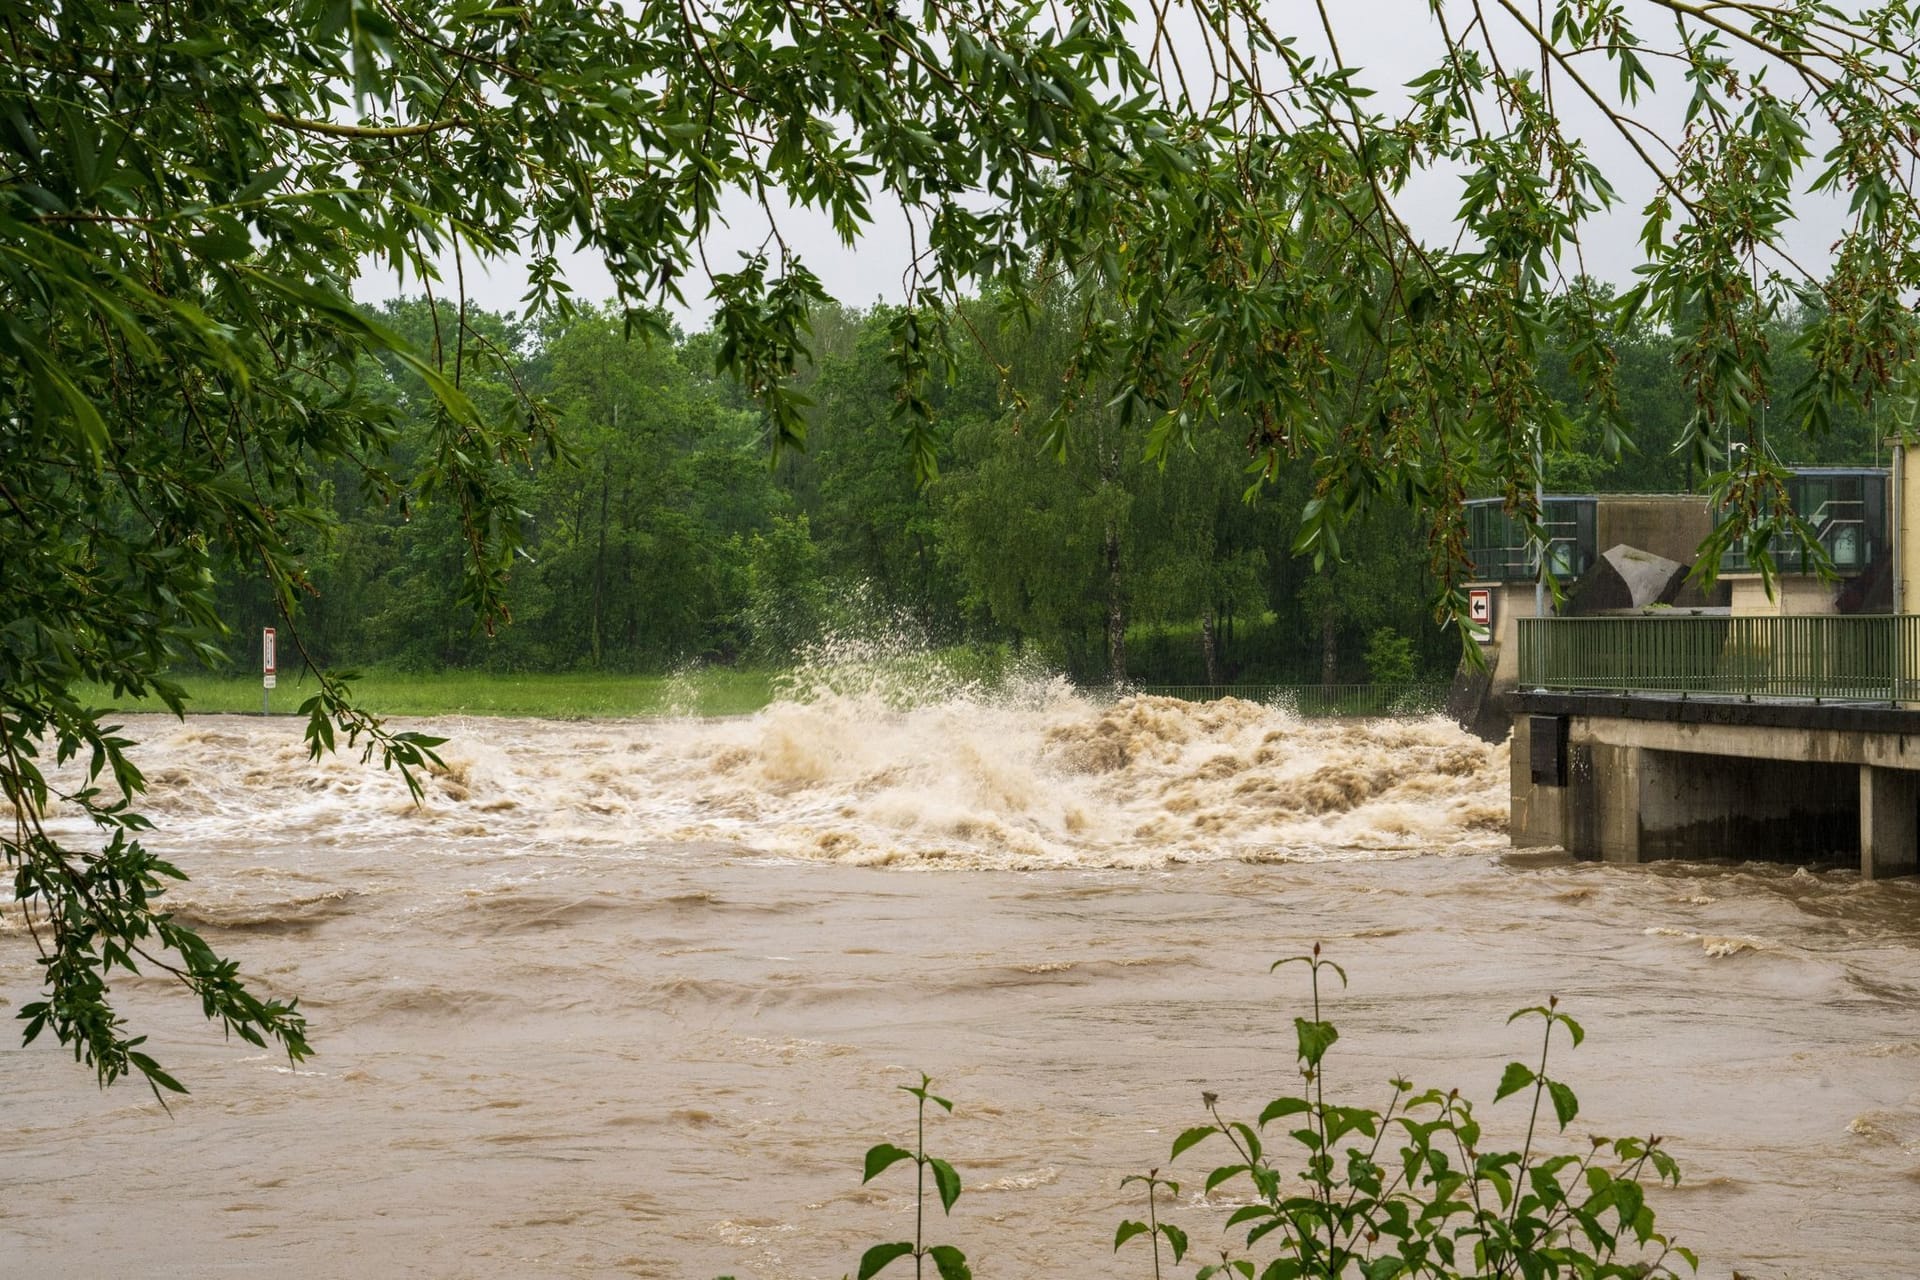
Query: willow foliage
(189,188)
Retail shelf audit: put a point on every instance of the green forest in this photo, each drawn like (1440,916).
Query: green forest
(663,530)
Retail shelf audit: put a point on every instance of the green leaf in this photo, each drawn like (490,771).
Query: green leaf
(1517,1077)
(1191,1138)
(1175,1237)
(1280,1107)
(151,1070)
(1314,1039)
(881,1157)
(223,238)
(1223,1174)
(456,402)
(1628,1200)
(91,427)
(946,1180)
(1127,1231)
(880,1255)
(1565,1105)
(1249,1139)
(952,1263)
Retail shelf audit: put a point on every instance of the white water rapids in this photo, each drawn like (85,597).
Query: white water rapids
(631,998)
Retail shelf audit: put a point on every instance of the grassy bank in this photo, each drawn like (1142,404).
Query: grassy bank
(470,693)
(712,691)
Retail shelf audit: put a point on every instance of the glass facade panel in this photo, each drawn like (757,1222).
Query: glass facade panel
(1846,511)
(1501,552)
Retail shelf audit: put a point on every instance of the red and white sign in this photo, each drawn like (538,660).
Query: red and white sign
(1480,606)
(267,668)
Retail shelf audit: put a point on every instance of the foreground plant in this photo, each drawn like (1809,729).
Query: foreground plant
(950,1262)
(1433,1203)
(947,1260)
(1153,1228)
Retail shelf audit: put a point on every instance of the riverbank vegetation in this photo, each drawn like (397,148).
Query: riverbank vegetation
(564,696)
(668,538)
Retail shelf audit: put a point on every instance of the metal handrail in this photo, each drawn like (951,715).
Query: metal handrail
(1817,657)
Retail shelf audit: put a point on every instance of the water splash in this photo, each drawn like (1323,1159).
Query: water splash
(880,763)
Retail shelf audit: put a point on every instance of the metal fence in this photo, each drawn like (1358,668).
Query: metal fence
(1842,658)
(1317,700)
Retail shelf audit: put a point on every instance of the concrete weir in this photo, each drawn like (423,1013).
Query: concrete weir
(1635,778)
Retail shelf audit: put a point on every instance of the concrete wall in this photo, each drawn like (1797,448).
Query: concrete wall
(1700,806)
(1640,789)
(1479,702)
(1792,594)
(1667,524)
(1538,814)
(1904,514)
(1759,738)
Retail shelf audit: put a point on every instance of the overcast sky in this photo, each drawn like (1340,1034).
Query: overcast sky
(1391,40)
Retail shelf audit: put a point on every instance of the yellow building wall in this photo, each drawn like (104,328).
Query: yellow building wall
(1792,593)
(1906,527)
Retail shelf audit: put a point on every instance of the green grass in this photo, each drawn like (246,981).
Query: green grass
(707,692)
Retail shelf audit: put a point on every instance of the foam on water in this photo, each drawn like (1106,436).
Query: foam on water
(1032,775)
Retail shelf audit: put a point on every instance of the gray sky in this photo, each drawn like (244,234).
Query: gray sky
(1391,40)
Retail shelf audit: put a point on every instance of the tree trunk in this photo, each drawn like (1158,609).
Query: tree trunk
(1329,651)
(1206,646)
(923,554)
(600,565)
(1116,611)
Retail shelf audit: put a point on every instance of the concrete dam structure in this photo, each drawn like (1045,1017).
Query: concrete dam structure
(1778,725)
(1634,779)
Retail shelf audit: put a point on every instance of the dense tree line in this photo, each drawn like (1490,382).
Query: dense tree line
(665,533)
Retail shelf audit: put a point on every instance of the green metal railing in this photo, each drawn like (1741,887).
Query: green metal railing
(1848,658)
(1317,700)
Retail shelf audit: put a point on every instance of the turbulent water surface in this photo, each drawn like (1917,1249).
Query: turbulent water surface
(631,999)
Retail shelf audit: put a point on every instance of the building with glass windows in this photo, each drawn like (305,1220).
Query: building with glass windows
(1498,545)
(1618,554)
(1845,512)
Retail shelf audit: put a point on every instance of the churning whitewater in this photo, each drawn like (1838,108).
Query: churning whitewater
(1047,781)
(631,998)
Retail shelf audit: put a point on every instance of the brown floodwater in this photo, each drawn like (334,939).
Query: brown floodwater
(632,998)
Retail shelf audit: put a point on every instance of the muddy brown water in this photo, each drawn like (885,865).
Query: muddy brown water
(632,999)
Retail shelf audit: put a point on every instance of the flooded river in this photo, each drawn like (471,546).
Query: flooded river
(631,999)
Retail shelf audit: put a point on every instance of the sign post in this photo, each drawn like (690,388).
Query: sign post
(1480,612)
(267,667)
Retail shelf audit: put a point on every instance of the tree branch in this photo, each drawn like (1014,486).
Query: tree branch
(332,130)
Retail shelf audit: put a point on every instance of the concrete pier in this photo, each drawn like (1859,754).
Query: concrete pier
(1631,779)
(1889,822)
